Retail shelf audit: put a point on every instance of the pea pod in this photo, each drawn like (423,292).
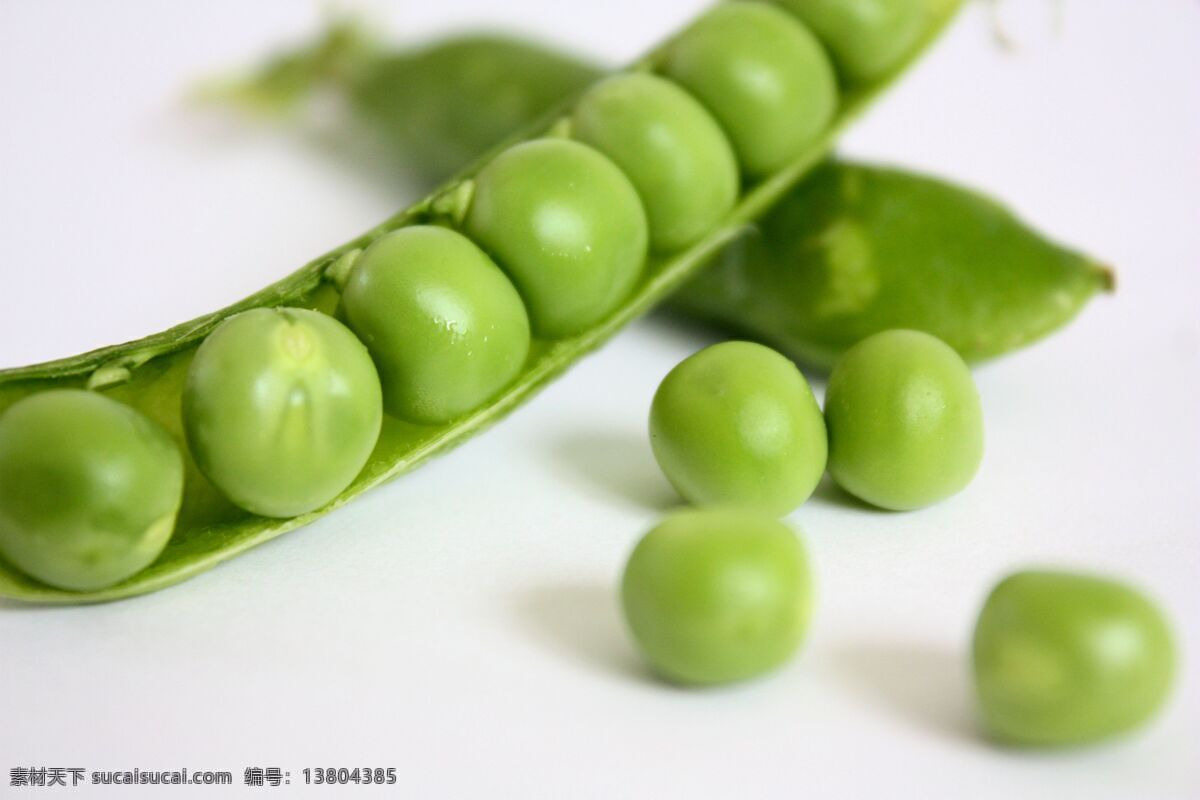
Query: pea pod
(430,109)
(852,251)
(856,250)
(150,374)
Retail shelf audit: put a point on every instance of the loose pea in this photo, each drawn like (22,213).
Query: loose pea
(905,422)
(282,407)
(737,424)
(445,326)
(1062,658)
(566,225)
(670,147)
(867,38)
(763,75)
(717,595)
(89,488)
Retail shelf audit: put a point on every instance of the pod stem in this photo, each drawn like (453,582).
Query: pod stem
(453,203)
(338,273)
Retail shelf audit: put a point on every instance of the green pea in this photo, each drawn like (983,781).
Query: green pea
(566,225)
(717,595)
(670,147)
(1062,659)
(905,422)
(446,328)
(737,424)
(282,407)
(763,75)
(867,38)
(89,488)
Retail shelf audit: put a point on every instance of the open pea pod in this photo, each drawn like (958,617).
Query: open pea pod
(149,374)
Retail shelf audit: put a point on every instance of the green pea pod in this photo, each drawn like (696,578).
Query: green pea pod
(851,251)
(149,374)
(430,109)
(855,250)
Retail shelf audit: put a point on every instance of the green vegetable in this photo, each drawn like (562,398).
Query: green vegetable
(282,407)
(672,150)
(856,250)
(718,595)
(865,37)
(498,86)
(566,225)
(763,75)
(150,374)
(905,423)
(737,425)
(1064,659)
(89,489)
(444,325)
(851,251)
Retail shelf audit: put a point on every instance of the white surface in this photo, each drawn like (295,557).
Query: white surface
(460,623)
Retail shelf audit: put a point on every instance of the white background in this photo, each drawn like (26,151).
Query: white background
(460,624)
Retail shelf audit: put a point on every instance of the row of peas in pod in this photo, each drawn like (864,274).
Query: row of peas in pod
(282,407)
(724,591)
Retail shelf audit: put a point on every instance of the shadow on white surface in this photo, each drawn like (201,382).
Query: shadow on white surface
(582,623)
(924,685)
(830,494)
(618,463)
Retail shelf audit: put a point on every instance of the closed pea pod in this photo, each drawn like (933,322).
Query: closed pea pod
(673,151)
(717,595)
(566,225)
(405,96)
(762,74)
(855,250)
(1065,659)
(905,422)
(282,407)
(736,424)
(867,38)
(444,325)
(89,488)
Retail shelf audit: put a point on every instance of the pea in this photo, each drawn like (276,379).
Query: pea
(446,328)
(566,225)
(737,424)
(717,595)
(282,407)
(1063,658)
(905,422)
(670,147)
(89,488)
(763,75)
(867,38)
